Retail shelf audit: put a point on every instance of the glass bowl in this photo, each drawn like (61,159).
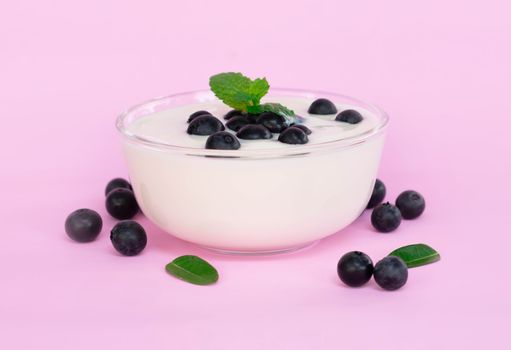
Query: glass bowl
(253,201)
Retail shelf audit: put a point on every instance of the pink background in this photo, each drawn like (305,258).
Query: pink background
(441,69)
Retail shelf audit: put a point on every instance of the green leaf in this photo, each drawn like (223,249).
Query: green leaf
(271,107)
(191,268)
(244,94)
(237,90)
(258,88)
(415,255)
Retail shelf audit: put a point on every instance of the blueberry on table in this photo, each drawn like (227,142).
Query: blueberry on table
(83,225)
(254,132)
(386,217)
(322,106)
(236,123)
(355,268)
(117,183)
(234,113)
(302,127)
(411,204)
(272,121)
(391,273)
(350,116)
(378,195)
(222,140)
(205,125)
(121,204)
(128,237)
(293,136)
(197,114)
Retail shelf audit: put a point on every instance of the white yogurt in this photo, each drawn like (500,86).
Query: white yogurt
(254,203)
(169,126)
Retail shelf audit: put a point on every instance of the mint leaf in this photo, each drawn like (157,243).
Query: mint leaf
(415,255)
(191,268)
(244,94)
(258,88)
(237,90)
(271,107)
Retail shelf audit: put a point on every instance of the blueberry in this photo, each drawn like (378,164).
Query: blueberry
(117,183)
(197,114)
(322,106)
(355,268)
(236,123)
(349,116)
(272,121)
(205,125)
(234,113)
(391,273)
(252,118)
(386,217)
(378,195)
(222,140)
(302,127)
(121,204)
(411,204)
(254,132)
(293,136)
(83,225)
(128,237)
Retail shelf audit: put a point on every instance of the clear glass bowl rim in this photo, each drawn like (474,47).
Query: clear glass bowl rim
(382,116)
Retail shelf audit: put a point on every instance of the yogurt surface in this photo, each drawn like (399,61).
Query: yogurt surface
(169,126)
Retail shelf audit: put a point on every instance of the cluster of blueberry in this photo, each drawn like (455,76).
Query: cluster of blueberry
(247,127)
(127,236)
(260,126)
(356,268)
(323,106)
(391,273)
(387,217)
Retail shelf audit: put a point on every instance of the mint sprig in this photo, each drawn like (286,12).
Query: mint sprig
(244,94)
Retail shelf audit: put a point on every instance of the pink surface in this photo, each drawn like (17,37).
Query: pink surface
(440,69)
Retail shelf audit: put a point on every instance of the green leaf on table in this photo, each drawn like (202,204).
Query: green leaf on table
(415,255)
(191,268)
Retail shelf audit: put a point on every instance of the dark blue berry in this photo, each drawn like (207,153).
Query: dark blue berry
(197,114)
(355,268)
(117,183)
(83,225)
(128,237)
(293,136)
(411,204)
(302,127)
(322,106)
(253,117)
(272,121)
(121,204)
(378,195)
(254,132)
(236,123)
(222,140)
(205,125)
(386,217)
(234,113)
(350,116)
(391,273)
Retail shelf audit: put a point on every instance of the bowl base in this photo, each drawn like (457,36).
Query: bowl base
(260,252)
